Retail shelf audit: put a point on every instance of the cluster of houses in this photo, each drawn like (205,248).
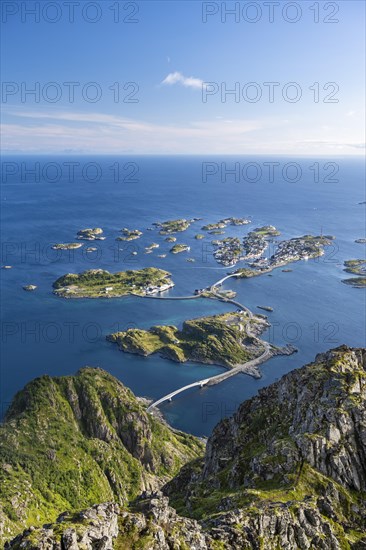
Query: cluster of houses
(289,251)
(156,289)
(254,246)
(199,291)
(229,252)
(295,249)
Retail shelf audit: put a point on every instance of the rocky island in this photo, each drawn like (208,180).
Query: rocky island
(235,221)
(286,471)
(99,283)
(173,226)
(91,234)
(66,246)
(222,224)
(356,267)
(178,248)
(221,340)
(129,234)
(152,246)
(212,226)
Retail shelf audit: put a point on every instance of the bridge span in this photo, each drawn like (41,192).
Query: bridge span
(250,367)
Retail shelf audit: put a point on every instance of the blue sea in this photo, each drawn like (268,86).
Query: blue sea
(44,334)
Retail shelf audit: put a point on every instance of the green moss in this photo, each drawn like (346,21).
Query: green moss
(173,226)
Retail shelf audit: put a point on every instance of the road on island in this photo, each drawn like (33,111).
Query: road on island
(250,367)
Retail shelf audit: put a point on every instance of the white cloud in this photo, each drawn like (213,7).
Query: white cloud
(187,82)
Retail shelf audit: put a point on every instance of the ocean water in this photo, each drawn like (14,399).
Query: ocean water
(44,334)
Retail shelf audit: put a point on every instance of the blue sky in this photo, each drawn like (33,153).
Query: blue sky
(165,61)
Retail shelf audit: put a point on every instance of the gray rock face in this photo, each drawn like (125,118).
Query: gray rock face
(91,529)
(166,530)
(315,414)
(288,470)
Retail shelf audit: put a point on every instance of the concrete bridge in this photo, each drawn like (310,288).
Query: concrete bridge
(170,396)
(250,367)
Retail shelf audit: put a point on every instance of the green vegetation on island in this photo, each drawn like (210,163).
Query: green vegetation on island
(222,224)
(246,273)
(213,226)
(129,234)
(267,231)
(171,239)
(98,283)
(152,246)
(91,234)
(235,221)
(172,226)
(67,246)
(199,236)
(219,339)
(177,248)
(356,267)
(74,441)
(356,282)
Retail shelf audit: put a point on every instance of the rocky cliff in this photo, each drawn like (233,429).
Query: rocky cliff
(287,471)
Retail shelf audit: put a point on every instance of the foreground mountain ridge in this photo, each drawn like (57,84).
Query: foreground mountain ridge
(286,471)
(72,441)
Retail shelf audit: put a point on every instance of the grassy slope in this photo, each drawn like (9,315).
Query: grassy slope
(206,339)
(74,441)
(92,283)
